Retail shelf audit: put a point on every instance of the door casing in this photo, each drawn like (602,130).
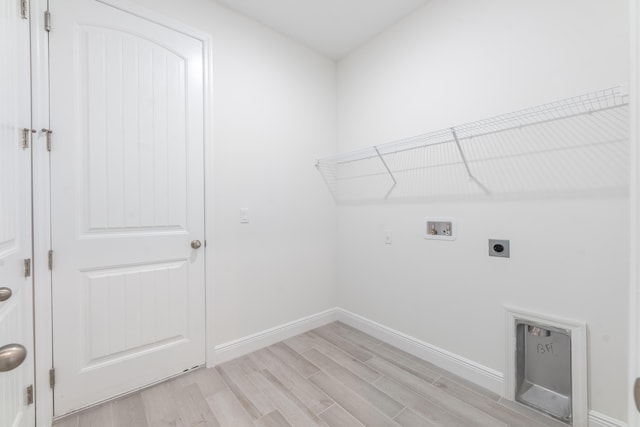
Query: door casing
(634,261)
(41,213)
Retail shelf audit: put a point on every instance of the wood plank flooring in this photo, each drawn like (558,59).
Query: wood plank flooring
(333,376)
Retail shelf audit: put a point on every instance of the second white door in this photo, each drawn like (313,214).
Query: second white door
(127,202)
(16,284)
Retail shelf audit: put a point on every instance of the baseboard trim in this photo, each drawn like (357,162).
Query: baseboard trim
(596,419)
(471,371)
(237,348)
(467,369)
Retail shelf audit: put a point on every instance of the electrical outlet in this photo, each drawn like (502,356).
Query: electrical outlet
(499,248)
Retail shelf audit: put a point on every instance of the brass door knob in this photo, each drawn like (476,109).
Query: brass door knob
(195,244)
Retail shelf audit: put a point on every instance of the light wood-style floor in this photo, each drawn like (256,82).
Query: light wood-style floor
(332,376)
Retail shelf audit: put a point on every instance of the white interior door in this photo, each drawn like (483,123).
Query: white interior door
(16,289)
(127,202)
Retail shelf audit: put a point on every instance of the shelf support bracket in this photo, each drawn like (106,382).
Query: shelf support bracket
(332,188)
(466,165)
(393,178)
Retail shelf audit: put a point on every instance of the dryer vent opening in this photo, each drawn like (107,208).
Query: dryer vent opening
(543,369)
(546,365)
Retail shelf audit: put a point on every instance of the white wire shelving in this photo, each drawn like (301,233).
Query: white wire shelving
(559,143)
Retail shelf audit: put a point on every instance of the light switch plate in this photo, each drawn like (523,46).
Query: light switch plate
(244,215)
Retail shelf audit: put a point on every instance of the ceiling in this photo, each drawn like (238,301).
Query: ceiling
(332,27)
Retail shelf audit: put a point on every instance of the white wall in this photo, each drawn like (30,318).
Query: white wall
(274,114)
(454,62)
(450,63)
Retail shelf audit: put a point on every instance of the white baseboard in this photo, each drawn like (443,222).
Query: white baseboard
(465,368)
(237,348)
(596,419)
(471,371)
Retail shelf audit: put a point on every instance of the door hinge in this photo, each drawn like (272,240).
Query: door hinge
(27,267)
(52,377)
(25,137)
(50,259)
(47,21)
(30,395)
(48,133)
(23,9)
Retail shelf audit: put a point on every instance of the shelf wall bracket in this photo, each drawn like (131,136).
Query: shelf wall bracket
(466,165)
(393,178)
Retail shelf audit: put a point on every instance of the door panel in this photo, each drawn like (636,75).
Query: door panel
(127,200)
(134,91)
(16,315)
(132,308)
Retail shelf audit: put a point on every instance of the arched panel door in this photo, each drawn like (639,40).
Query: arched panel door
(127,202)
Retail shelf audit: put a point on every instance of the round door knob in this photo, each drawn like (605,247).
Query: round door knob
(11,356)
(196,244)
(5,294)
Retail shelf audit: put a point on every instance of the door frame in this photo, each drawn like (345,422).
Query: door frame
(633,415)
(42,195)
(41,213)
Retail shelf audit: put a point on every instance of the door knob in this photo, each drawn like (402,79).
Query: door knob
(11,356)
(195,244)
(636,393)
(5,294)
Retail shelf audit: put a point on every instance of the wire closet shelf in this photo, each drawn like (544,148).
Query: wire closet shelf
(588,120)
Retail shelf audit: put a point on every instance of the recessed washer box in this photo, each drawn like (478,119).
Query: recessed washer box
(440,228)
